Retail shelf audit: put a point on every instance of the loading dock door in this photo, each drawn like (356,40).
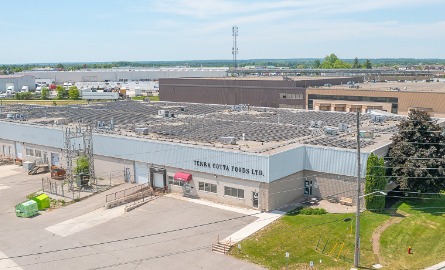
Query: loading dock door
(140,172)
(158,180)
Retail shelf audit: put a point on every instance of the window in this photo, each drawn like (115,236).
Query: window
(291,96)
(38,153)
(29,152)
(207,187)
(174,182)
(234,192)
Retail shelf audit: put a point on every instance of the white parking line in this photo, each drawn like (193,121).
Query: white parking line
(6,263)
(86,221)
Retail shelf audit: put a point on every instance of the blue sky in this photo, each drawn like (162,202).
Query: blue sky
(148,30)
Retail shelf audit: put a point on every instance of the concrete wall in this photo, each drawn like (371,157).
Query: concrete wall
(284,190)
(221,182)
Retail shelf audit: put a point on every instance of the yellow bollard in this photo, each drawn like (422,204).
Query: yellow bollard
(342,245)
(333,248)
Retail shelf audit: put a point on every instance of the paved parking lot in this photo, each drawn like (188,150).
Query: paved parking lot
(164,234)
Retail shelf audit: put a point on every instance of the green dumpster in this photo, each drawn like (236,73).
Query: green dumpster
(42,201)
(26,209)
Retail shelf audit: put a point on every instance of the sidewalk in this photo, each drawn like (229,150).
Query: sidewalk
(263,220)
(439,266)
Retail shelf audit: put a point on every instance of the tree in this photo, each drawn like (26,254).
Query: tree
(332,62)
(356,64)
(23,96)
(417,155)
(317,63)
(82,165)
(60,66)
(73,92)
(375,181)
(44,93)
(61,92)
(367,64)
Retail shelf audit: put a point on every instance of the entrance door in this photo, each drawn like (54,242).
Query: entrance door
(45,157)
(127,175)
(307,187)
(255,199)
(18,150)
(54,159)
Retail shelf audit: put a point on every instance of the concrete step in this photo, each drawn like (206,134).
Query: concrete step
(221,248)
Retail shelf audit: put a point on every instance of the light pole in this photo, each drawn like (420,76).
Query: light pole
(357,227)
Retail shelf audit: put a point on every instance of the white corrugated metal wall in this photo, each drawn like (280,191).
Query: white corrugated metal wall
(243,165)
(334,160)
(218,162)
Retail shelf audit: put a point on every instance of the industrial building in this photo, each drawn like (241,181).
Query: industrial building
(16,82)
(396,97)
(123,74)
(277,92)
(341,94)
(248,156)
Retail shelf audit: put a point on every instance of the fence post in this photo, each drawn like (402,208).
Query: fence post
(43,188)
(110,179)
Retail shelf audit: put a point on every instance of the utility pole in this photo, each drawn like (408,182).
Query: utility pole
(357,214)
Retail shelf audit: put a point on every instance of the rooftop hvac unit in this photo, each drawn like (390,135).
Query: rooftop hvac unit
(378,118)
(227,140)
(343,127)
(141,131)
(164,113)
(312,124)
(330,131)
(319,124)
(61,121)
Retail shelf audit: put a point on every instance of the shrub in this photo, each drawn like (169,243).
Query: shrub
(313,211)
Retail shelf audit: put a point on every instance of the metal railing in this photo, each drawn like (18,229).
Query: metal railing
(123,193)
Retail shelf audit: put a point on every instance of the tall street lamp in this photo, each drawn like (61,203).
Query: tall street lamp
(357,227)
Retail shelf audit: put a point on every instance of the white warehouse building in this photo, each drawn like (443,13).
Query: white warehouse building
(17,82)
(260,158)
(128,74)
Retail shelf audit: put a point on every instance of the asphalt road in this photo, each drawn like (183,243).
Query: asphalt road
(164,234)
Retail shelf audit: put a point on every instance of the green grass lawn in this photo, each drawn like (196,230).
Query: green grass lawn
(300,234)
(152,98)
(423,229)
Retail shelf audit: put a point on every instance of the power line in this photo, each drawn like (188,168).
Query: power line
(129,238)
(155,257)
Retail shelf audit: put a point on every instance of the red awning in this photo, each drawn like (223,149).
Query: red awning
(182,176)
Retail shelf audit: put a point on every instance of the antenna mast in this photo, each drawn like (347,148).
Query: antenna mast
(234,47)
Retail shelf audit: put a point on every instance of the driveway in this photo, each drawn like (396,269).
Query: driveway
(166,233)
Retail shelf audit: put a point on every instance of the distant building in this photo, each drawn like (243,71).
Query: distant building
(277,92)
(17,81)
